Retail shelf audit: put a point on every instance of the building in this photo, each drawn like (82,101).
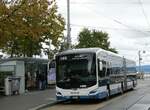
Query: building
(27,69)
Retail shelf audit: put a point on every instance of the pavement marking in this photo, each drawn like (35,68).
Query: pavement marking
(121,96)
(135,102)
(42,106)
(91,106)
(96,106)
(140,107)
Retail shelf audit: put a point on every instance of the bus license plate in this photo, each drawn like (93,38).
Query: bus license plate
(75,97)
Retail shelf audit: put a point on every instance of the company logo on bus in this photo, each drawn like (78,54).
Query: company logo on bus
(74,93)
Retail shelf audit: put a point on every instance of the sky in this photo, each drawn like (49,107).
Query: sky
(126,21)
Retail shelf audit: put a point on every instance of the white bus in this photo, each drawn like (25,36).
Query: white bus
(92,73)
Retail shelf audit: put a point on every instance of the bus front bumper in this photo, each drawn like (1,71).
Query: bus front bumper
(88,97)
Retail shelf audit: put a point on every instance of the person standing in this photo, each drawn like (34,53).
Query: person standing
(37,80)
(26,82)
(40,81)
(43,81)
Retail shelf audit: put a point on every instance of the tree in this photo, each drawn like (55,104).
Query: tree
(62,46)
(26,24)
(93,38)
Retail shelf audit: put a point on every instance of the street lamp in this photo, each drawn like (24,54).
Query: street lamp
(68,25)
(125,72)
(140,59)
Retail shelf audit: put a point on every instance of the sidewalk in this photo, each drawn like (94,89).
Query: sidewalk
(27,100)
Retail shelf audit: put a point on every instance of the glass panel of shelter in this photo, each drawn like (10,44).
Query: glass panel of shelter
(32,71)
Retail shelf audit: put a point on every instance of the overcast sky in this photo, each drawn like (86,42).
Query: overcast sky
(126,21)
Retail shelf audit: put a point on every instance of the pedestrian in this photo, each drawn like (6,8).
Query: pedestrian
(26,82)
(40,81)
(37,80)
(43,80)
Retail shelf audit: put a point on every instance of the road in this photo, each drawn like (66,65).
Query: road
(138,99)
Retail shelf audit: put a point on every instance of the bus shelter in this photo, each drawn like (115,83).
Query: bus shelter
(27,69)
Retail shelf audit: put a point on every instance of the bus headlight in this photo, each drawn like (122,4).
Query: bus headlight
(93,91)
(58,94)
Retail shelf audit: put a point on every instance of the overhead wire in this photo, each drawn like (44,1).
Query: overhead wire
(144,13)
(117,21)
(100,27)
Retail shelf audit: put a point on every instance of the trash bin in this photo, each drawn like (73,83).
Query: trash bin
(12,85)
(7,86)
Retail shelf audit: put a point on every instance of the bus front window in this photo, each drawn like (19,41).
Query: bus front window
(76,72)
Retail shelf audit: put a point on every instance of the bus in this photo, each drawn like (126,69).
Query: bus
(92,73)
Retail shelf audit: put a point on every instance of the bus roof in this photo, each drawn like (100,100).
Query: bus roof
(89,50)
(81,50)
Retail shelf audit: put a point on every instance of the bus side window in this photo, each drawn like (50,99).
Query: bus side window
(99,70)
(104,68)
(108,68)
(101,73)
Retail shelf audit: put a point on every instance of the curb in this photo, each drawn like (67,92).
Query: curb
(44,105)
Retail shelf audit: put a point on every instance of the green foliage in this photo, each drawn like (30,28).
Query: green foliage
(62,46)
(92,38)
(26,24)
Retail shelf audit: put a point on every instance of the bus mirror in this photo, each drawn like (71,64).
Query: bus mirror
(100,66)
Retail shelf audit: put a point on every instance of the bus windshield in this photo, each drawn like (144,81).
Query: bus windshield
(75,71)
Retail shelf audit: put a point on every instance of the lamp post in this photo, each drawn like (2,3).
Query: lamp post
(139,54)
(125,72)
(68,25)
(140,59)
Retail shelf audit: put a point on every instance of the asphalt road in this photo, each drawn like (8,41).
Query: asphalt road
(138,99)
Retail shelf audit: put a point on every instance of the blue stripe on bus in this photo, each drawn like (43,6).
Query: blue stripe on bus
(62,98)
(100,95)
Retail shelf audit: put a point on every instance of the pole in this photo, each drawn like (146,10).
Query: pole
(125,72)
(139,54)
(68,25)
(49,49)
